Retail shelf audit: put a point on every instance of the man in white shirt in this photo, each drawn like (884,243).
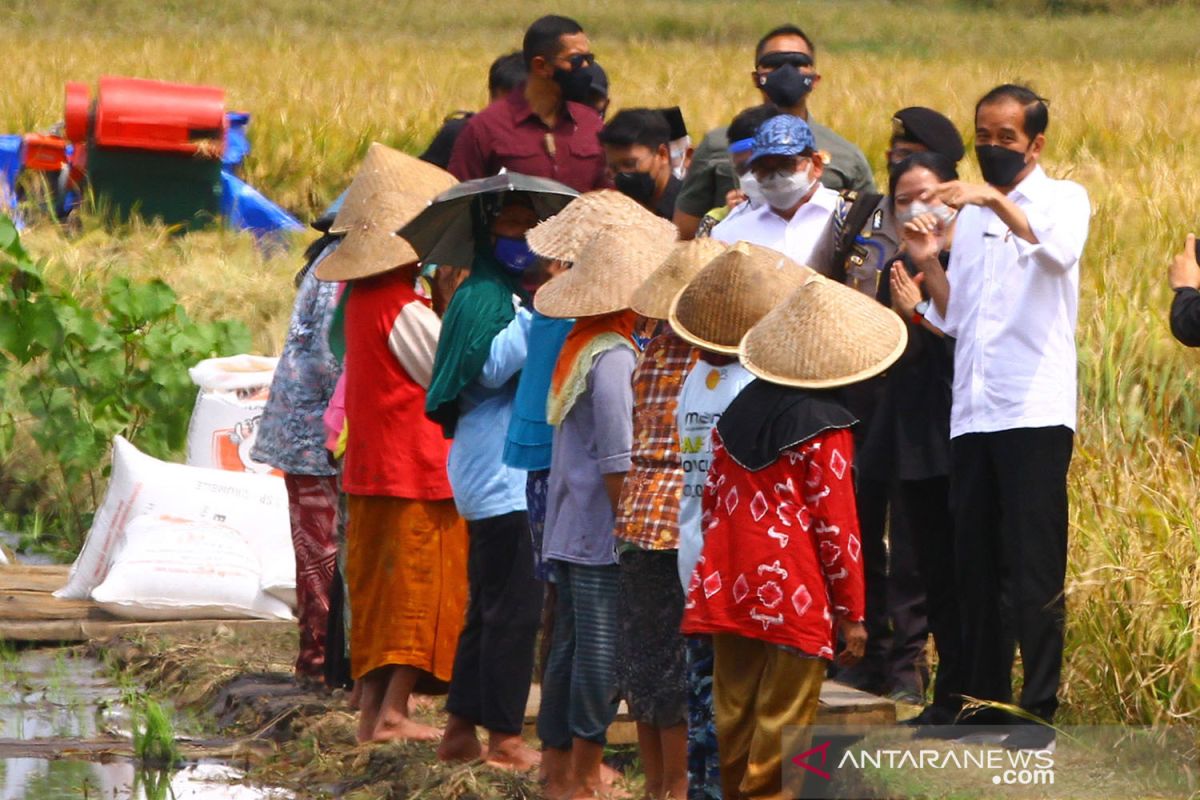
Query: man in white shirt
(796,208)
(1010,297)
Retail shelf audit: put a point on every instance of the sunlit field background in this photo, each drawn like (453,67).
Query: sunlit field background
(323,80)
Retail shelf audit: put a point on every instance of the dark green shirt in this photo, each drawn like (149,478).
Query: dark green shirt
(711,176)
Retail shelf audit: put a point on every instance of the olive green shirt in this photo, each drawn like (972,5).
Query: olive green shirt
(710,176)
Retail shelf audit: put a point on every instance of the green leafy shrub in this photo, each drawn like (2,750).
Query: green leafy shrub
(80,375)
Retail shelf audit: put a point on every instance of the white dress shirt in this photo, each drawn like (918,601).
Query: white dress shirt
(795,238)
(1013,308)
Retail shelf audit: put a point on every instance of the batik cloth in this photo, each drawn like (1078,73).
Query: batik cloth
(313,508)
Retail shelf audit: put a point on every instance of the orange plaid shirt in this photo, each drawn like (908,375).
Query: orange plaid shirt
(648,512)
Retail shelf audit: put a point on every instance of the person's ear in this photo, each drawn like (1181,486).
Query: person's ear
(1039,143)
(816,76)
(755,80)
(818,168)
(663,153)
(541,66)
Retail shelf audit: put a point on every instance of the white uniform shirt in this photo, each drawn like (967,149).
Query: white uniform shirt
(1013,308)
(795,238)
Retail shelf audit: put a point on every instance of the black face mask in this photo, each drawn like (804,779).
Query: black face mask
(786,86)
(575,83)
(999,165)
(637,186)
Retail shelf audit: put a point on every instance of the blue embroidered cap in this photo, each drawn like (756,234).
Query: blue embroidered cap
(783,135)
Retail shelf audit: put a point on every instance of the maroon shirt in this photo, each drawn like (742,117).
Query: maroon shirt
(508,134)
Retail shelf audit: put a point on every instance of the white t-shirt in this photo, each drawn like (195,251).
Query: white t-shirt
(707,392)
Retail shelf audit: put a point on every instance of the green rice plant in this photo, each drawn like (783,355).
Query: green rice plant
(154,735)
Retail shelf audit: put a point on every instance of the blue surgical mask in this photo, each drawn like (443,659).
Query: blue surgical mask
(513,254)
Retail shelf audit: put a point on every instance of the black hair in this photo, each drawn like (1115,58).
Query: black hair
(507,73)
(936,163)
(542,38)
(645,126)
(748,120)
(784,30)
(1037,112)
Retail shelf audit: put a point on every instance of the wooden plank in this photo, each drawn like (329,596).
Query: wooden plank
(33,578)
(78,630)
(34,606)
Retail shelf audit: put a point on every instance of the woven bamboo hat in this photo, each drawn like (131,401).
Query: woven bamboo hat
(653,298)
(609,267)
(562,236)
(731,294)
(372,246)
(822,336)
(388,170)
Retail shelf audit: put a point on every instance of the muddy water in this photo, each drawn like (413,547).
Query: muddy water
(54,706)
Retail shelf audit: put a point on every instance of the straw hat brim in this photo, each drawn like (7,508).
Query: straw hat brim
(373,246)
(387,170)
(359,257)
(562,236)
(567,296)
(654,297)
(824,336)
(683,332)
(733,293)
(610,266)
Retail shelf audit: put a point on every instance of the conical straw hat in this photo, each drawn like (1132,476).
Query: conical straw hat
(610,265)
(388,170)
(731,294)
(372,246)
(822,336)
(562,236)
(653,298)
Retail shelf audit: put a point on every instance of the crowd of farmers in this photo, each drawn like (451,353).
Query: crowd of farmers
(692,428)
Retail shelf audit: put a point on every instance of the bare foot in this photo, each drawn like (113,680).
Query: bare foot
(459,742)
(511,752)
(554,771)
(609,776)
(404,729)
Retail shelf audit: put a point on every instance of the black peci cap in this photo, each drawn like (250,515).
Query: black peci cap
(927,127)
(675,120)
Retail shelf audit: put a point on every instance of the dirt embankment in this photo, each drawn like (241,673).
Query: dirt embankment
(297,736)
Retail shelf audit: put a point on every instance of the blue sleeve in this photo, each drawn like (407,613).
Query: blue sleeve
(507,354)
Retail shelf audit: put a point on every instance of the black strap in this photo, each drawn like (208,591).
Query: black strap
(861,206)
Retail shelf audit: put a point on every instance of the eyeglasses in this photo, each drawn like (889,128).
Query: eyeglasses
(581,60)
(777,60)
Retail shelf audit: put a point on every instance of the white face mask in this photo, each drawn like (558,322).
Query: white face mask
(944,213)
(749,186)
(782,190)
(679,148)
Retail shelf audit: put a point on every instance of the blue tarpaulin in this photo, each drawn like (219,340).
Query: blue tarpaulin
(237,144)
(244,207)
(12,159)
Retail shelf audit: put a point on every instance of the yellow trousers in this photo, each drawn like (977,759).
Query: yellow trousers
(758,690)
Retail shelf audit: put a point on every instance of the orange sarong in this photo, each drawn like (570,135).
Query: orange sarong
(406,574)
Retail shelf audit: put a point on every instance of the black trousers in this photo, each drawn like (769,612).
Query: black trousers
(1009,499)
(493,665)
(895,595)
(925,506)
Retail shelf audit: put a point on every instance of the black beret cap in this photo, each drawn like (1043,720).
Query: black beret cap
(928,127)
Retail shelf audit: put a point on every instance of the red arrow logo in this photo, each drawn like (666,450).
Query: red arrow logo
(802,760)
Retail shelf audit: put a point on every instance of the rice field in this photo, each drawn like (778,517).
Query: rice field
(324,80)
